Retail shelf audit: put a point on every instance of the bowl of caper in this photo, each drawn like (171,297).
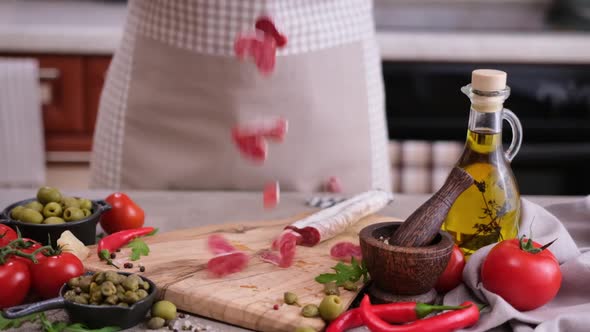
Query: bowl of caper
(51,213)
(98,300)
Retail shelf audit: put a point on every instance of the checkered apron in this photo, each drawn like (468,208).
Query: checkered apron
(175,89)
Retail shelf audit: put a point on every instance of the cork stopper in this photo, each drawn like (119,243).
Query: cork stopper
(488,80)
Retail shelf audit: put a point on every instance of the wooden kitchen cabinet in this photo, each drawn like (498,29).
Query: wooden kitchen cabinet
(70,87)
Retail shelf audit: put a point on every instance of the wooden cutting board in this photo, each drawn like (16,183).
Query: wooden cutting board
(177,265)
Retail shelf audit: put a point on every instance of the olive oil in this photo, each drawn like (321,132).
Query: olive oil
(488,211)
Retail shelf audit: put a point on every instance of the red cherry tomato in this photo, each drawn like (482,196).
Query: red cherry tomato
(453,273)
(125,214)
(524,279)
(7,234)
(16,281)
(53,271)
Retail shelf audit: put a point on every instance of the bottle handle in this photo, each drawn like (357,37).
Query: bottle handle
(516,134)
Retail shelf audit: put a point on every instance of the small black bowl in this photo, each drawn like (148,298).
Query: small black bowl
(93,316)
(84,230)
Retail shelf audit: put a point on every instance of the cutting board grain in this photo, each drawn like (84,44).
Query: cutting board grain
(177,264)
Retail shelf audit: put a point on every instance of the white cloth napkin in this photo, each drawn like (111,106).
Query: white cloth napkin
(570,309)
(21,131)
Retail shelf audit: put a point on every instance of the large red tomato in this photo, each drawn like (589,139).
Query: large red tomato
(7,234)
(521,274)
(125,214)
(453,273)
(53,271)
(15,280)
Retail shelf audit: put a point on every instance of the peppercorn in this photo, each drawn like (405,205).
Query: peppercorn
(113,255)
(142,268)
(275,307)
(128,265)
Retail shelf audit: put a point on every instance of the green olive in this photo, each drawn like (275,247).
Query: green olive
(16,212)
(52,209)
(123,304)
(86,296)
(164,309)
(131,297)
(80,299)
(120,289)
(73,214)
(310,310)
(290,298)
(350,286)
(155,323)
(98,277)
(87,213)
(84,283)
(111,299)
(85,204)
(31,216)
(108,288)
(145,285)
(93,287)
(113,277)
(68,202)
(331,288)
(74,282)
(96,296)
(141,293)
(34,205)
(70,295)
(305,329)
(132,282)
(330,307)
(47,194)
(54,221)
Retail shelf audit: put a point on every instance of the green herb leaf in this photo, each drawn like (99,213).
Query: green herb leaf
(344,272)
(48,326)
(83,328)
(106,255)
(138,249)
(6,323)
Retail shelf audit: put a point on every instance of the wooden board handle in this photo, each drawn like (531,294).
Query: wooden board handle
(423,224)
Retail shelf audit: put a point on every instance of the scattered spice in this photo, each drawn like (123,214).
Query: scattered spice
(128,265)
(118,250)
(275,307)
(142,268)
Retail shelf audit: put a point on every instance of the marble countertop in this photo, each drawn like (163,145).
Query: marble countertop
(175,210)
(95,27)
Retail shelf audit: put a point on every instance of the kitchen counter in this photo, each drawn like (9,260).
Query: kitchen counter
(95,27)
(176,210)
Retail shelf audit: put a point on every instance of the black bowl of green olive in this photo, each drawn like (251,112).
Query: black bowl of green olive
(51,213)
(98,300)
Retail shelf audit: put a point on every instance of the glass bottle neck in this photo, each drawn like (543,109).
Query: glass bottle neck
(485,122)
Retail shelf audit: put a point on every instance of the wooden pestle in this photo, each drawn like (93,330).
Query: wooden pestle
(423,224)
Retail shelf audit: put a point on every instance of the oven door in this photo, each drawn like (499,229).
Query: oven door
(551,101)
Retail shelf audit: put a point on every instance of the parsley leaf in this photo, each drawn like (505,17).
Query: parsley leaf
(154,232)
(344,272)
(6,323)
(82,328)
(106,255)
(138,249)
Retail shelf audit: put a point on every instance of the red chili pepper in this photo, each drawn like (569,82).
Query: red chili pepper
(445,322)
(402,312)
(111,243)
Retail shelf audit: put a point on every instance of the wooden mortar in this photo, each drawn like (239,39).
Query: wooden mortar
(401,274)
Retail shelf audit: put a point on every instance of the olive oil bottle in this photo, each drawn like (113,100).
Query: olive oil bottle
(489,210)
